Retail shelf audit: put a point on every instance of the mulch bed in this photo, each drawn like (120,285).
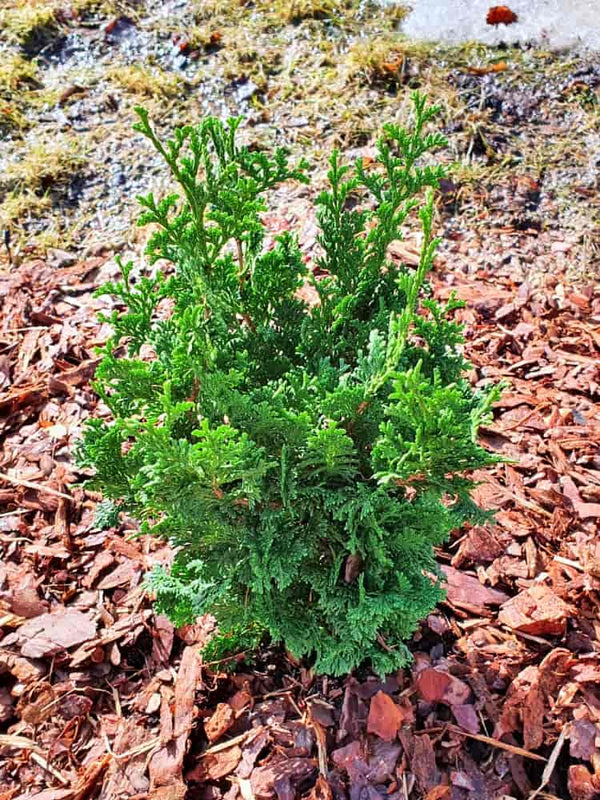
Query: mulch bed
(99,697)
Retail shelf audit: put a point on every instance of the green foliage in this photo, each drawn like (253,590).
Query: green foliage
(228,648)
(303,460)
(106,516)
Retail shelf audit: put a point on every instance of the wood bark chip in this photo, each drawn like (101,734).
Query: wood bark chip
(121,576)
(582,784)
(466,589)
(297,770)
(321,790)
(25,600)
(383,758)
(466,717)
(102,562)
(583,736)
(255,744)
(440,792)
(25,670)
(87,783)
(583,509)
(50,633)
(219,723)
(216,766)
(127,774)
(423,764)
(354,564)
(6,705)
(385,717)
(47,794)
(436,686)
(163,636)
(537,611)
(352,708)
(542,551)
(351,758)
(166,763)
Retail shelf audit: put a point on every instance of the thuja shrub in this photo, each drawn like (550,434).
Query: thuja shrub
(302,458)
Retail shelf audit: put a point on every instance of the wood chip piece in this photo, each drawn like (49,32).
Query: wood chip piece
(385,717)
(219,723)
(215,766)
(436,686)
(463,589)
(297,770)
(537,611)
(50,633)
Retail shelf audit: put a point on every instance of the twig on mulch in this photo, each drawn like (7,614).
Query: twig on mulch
(39,487)
(511,748)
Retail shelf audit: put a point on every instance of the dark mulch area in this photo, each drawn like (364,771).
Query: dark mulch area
(101,698)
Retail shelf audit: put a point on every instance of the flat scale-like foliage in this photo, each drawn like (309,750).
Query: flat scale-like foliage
(303,460)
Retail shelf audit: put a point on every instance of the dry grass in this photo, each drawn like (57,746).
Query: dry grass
(145,82)
(22,207)
(11,117)
(44,165)
(202,37)
(342,12)
(107,8)
(385,59)
(29,23)
(21,93)
(16,72)
(33,185)
(17,76)
(294,11)
(272,13)
(396,13)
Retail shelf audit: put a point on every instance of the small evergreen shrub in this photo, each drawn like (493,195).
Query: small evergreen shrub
(303,459)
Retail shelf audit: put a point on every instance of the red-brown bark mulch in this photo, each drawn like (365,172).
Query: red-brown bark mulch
(100,698)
